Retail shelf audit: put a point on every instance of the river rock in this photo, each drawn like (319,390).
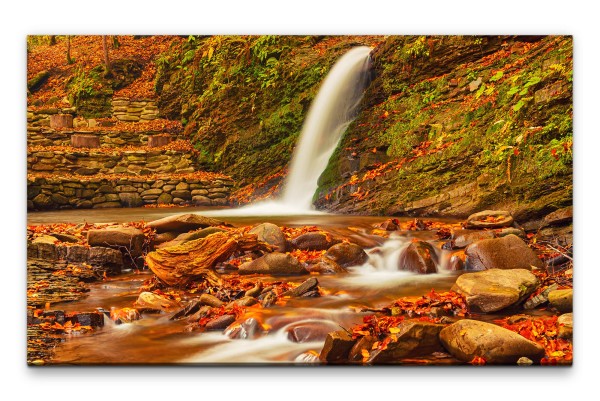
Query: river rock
(463,238)
(561,300)
(220,323)
(43,247)
(456,263)
(129,238)
(337,347)
(275,263)
(66,237)
(150,300)
(271,234)
(191,308)
(313,241)
(93,319)
(508,252)
(467,339)
(211,300)
(565,326)
(164,199)
(346,254)
(244,301)
(102,256)
(165,237)
(306,286)
(495,289)
(183,223)
(309,331)
(490,219)
(389,225)
(559,217)
(249,329)
(418,257)
(415,338)
(77,254)
(325,266)
(363,343)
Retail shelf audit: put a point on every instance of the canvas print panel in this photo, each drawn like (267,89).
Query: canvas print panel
(324,200)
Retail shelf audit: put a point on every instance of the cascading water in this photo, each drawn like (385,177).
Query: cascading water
(331,112)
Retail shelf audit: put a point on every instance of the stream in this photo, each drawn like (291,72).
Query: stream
(156,339)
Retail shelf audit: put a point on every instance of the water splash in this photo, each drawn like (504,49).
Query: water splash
(331,112)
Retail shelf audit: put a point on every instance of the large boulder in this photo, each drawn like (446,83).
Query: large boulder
(467,339)
(495,289)
(337,347)
(418,257)
(271,234)
(490,219)
(314,241)
(183,223)
(346,254)
(415,338)
(276,263)
(561,299)
(509,252)
(129,238)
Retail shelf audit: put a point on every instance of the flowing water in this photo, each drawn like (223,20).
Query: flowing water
(156,339)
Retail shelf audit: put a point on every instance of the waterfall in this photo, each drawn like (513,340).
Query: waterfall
(334,108)
(330,114)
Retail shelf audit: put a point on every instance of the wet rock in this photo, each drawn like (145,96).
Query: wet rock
(268,299)
(345,254)
(503,232)
(539,299)
(129,238)
(495,289)
(418,257)
(363,343)
(337,347)
(165,237)
(508,252)
(155,301)
(249,329)
(565,326)
(187,237)
(278,264)
(414,339)
(207,299)
(189,309)
(308,357)
(94,319)
(183,223)
(325,266)
(463,238)
(524,361)
(307,286)
(44,246)
(562,300)
(303,332)
(271,234)
(490,219)
(124,315)
(559,217)
(220,323)
(244,301)
(105,257)
(254,291)
(313,241)
(456,263)
(467,339)
(389,225)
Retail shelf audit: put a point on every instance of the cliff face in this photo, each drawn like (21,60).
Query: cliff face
(452,125)
(449,125)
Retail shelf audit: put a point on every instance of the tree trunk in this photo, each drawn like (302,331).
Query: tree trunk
(155,141)
(69,59)
(195,260)
(61,121)
(51,40)
(85,141)
(106,59)
(115,42)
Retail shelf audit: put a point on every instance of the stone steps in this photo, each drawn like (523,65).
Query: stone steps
(134,161)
